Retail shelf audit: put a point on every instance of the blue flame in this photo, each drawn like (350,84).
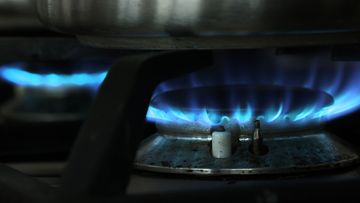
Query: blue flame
(304,114)
(341,80)
(15,75)
(242,116)
(276,115)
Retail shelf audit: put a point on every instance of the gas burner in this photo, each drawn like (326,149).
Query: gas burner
(209,137)
(218,153)
(50,97)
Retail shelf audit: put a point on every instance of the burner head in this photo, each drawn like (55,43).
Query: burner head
(206,106)
(224,99)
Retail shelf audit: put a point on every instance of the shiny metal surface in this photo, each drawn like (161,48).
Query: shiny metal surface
(311,151)
(19,15)
(192,24)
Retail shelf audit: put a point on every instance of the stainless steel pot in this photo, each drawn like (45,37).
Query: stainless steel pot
(196,24)
(18,16)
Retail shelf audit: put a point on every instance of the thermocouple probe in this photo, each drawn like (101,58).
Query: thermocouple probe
(257,146)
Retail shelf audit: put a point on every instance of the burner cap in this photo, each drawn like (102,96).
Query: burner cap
(226,98)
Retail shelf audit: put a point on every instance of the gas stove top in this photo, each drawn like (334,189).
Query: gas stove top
(220,128)
(198,100)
